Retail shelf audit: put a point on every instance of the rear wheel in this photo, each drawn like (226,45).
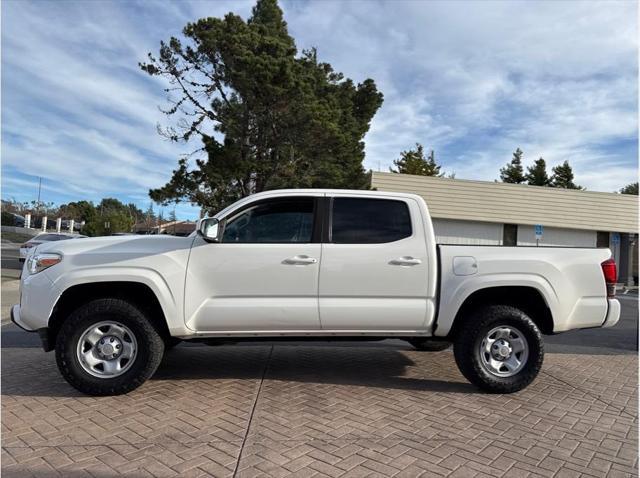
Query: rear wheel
(108,347)
(499,349)
(429,345)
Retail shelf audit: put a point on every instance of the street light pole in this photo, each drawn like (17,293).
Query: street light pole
(39,188)
(38,201)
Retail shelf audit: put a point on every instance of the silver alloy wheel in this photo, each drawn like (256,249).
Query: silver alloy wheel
(504,351)
(107,349)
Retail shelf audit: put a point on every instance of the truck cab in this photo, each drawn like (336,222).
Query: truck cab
(315,263)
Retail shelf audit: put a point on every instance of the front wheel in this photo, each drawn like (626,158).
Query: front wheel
(108,347)
(499,349)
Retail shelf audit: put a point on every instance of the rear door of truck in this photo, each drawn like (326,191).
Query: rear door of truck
(374,273)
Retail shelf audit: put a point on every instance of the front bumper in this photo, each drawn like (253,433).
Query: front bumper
(613,313)
(38,296)
(15,318)
(43,333)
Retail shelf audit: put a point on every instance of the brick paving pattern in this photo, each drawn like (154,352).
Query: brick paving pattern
(321,410)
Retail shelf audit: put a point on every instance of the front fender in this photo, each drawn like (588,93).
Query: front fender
(170,296)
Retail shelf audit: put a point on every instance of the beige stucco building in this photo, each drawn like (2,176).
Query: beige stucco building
(491,213)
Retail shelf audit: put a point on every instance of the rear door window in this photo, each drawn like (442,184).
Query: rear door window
(369,221)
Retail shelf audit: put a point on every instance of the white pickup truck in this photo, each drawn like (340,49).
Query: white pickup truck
(312,265)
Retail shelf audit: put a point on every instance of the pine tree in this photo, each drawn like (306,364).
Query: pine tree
(414,162)
(563,177)
(630,189)
(282,119)
(513,172)
(537,174)
(433,168)
(150,217)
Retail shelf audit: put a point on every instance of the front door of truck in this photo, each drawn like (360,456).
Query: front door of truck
(263,275)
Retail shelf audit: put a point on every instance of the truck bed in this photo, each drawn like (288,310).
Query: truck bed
(569,279)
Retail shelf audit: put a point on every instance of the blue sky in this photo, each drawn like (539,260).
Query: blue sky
(472,80)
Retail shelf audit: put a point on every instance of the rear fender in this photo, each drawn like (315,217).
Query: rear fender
(454,295)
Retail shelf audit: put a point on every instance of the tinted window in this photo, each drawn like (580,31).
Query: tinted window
(273,222)
(369,221)
(602,239)
(50,237)
(510,235)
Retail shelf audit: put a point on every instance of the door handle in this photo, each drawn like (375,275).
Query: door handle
(405,261)
(300,260)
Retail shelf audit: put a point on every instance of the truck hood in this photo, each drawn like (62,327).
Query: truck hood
(114,249)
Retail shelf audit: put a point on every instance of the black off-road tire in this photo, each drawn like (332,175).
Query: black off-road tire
(467,343)
(429,345)
(150,347)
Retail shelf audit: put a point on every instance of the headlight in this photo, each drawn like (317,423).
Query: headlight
(39,262)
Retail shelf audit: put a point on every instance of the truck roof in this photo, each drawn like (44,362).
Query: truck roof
(315,192)
(321,192)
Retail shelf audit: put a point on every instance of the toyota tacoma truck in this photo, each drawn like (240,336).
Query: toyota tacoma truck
(313,265)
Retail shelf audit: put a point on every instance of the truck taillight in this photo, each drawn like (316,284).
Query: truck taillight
(610,273)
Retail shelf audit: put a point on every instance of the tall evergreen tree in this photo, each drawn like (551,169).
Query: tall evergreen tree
(537,174)
(630,189)
(563,177)
(150,219)
(513,172)
(413,161)
(282,119)
(136,214)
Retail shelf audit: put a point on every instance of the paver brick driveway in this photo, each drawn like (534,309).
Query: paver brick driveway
(321,410)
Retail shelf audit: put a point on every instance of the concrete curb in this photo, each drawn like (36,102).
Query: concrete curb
(8,273)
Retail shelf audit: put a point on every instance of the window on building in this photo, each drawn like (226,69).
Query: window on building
(510,235)
(602,239)
(274,222)
(369,221)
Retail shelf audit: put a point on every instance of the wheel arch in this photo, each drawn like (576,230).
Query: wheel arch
(136,293)
(526,298)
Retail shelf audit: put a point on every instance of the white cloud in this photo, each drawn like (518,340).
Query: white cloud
(475,80)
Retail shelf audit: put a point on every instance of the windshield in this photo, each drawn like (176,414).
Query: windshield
(50,237)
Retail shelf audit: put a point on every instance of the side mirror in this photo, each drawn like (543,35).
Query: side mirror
(209,229)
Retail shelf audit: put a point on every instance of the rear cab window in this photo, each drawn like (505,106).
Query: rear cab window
(369,221)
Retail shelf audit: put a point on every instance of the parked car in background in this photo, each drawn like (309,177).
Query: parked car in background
(42,238)
(12,219)
(36,222)
(77,225)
